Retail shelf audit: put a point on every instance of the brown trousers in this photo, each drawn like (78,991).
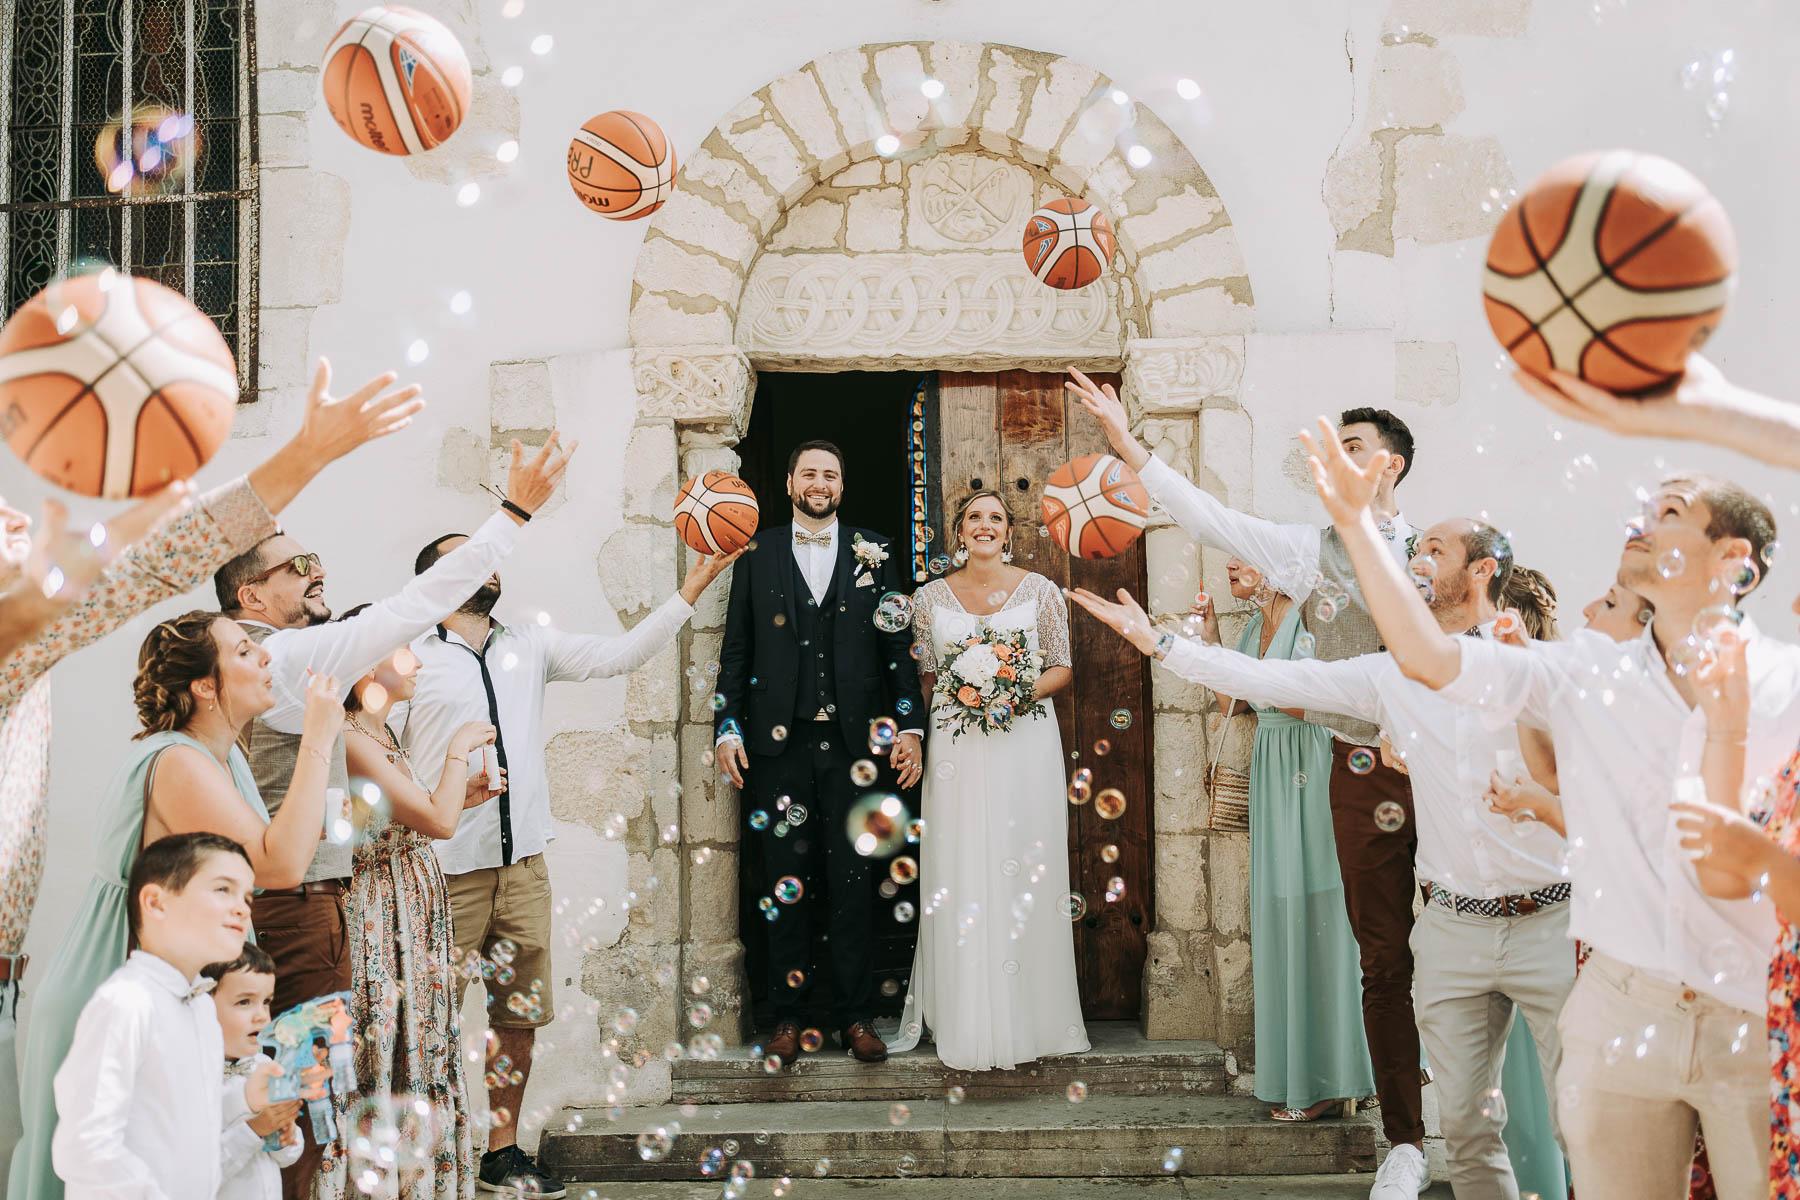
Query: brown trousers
(1377,867)
(308,936)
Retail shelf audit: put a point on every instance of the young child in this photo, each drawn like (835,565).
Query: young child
(242,990)
(138,1098)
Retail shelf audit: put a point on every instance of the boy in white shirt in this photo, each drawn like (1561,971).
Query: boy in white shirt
(242,990)
(138,1097)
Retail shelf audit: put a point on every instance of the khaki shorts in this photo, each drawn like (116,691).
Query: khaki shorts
(511,903)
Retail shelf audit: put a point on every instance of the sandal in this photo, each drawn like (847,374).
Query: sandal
(1318,1112)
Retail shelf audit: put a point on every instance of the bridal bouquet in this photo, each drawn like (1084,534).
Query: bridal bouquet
(988,681)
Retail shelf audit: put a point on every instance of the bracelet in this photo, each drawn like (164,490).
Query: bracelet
(515,510)
(1165,642)
(451,760)
(316,752)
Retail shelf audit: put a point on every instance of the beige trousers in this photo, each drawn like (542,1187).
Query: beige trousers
(1469,975)
(1644,1060)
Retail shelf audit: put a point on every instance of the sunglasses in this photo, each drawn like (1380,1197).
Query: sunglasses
(302,565)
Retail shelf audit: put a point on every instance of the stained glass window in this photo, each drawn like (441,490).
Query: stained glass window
(128,137)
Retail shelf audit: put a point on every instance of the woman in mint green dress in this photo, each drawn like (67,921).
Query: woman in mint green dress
(1312,1057)
(200,680)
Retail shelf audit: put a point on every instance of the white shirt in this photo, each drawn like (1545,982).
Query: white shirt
(1450,750)
(351,649)
(137,1099)
(519,660)
(817,563)
(247,1171)
(1287,555)
(1625,741)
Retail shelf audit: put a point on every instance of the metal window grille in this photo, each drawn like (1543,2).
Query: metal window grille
(70,70)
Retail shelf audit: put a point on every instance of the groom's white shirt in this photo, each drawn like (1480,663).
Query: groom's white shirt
(817,562)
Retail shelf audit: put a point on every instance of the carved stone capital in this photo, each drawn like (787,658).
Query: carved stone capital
(694,385)
(1175,375)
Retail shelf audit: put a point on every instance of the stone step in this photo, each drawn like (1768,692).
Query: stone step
(1220,1187)
(1121,1063)
(1034,1136)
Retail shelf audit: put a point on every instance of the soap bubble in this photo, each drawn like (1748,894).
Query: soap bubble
(915,830)
(876,825)
(893,612)
(1362,761)
(1102,747)
(718,701)
(700,1015)
(1493,1106)
(779,733)
(1326,609)
(882,732)
(899,1114)
(903,870)
(822,1168)
(1073,906)
(1109,854)
(712,1161)
(1670,563)
(788,889)
(811,1040)
(1077,1092)
(796,814)
(759,819)
(954,1095)
(903,912)
(862,772)
(1304,644)
(1300,779)
(796,977)
(1110,804)
(939,564)
(654,1144)
(999,714)
(1081,789)
(1171,1162)
(1120,718)
(1389,816)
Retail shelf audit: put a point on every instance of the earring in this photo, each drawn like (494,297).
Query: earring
(961,556)
(1006,553)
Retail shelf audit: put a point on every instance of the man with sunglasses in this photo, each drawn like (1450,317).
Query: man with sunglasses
(276,591)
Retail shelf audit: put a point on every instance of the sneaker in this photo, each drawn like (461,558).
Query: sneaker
(1403,1175)
(511,1170)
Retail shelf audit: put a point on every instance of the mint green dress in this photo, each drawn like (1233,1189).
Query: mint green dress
(95,946)
(1537,1158)
(1310,1044)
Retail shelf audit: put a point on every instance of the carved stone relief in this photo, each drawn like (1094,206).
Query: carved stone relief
(967,201)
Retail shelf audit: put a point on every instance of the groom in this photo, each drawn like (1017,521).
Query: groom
(803,673)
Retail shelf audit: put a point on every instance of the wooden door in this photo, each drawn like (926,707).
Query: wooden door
(1009,431)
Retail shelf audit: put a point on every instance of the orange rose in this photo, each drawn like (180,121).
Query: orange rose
(1005,673)
(969,696)
(1003,652)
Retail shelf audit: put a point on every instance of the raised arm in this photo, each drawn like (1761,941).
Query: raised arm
(596,655)
(1703,406)
(436,813)
(1423,651)
(1287,554)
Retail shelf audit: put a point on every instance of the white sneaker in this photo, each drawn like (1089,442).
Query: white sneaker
(1403,1175)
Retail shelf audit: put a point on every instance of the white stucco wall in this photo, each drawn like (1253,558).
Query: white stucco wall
(1286,85)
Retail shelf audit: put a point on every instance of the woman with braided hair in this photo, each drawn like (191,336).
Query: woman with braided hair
(200,680)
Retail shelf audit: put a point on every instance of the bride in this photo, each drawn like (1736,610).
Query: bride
(993,977)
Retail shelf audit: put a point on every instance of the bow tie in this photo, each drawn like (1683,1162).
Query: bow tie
(203,988)
(1386,529)
(802,538)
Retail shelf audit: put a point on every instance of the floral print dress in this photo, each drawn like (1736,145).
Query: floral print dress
(1784,1004)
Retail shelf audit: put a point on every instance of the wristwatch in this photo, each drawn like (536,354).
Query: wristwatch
(1165,642)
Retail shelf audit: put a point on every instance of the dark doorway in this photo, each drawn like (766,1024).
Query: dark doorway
(871,417)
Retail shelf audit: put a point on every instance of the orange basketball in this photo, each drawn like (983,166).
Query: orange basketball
(1613,266)
(716,513)
(396,80)
(621,166)
(1068,243)
(1095,506)
(114,386)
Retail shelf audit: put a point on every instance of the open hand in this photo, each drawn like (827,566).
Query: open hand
(277,1118)
(530,481)
(909,759)
(733,762)
(1725,842)
(333,427)
(1100,400)
(703,569)
(1126,618)
(324,715)
(1675,412)
(476,791)
(1345,489)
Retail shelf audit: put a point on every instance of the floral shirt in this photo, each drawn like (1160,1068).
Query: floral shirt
(176,558)
(1783,824)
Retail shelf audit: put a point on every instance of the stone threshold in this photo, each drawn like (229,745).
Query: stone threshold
(1224,1187)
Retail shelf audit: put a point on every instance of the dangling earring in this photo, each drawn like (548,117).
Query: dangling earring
(1006,551)
(961,556)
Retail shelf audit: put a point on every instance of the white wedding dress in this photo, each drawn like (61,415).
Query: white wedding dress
(993,978)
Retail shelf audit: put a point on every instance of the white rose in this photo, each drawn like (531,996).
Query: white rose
(976,665)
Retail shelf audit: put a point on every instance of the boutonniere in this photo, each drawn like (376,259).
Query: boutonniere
(1412,546)
(869,554)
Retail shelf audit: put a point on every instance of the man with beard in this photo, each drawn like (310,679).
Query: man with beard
(803,672)
(276,591)
(1494,930)
(475,668)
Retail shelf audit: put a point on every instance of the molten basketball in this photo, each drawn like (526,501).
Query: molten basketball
(621,166)
(396,80)
(716,513)
(1068,243)
(1095,506)
(1614,267)
(114,386)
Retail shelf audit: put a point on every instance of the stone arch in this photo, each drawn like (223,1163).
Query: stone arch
(1176,306)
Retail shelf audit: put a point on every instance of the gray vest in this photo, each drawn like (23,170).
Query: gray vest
(272,756)
(1350,633)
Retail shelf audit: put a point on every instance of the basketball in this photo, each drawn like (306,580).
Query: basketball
(396,80)
(1613,267)
(621,166)
(1095,506)
(716,513)
(1068,243)
(114,386)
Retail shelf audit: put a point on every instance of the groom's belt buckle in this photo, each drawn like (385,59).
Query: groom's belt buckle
(821,715)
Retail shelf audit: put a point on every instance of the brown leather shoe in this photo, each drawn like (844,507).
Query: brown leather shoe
(862,1043)
(785,1045)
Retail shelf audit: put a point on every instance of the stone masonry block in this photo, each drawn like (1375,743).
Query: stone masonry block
(842,76)
(288,91)
(1064,89)
(687,273)
(284,348)
(1237,1006)
(462,459)
(305,220)
(875,219)
(709,805)
(1180,995)
(637,567)
(1210,256)
(653,692)
(1181,887)
(956,65)
(1173,570)
(801,103)
(1426,374)
(519,395)
(736,186)
(649,483)
(657,322)
(1181,804)
(1229,860)
(1353,187)
(1415,86)
(292,33)
(284,141)
(1478,18)
(1174,217)
(1009,78)
(816,224)
(899,70)
(759,141)
(712,897)
(1225,441)
(698,222)
(597,773)
(1448,188)
(864,174)
(1210,310)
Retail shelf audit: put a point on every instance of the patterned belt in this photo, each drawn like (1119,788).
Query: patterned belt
(1496,906)
(12,967)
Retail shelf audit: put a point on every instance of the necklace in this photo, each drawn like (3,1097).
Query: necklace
(385,739)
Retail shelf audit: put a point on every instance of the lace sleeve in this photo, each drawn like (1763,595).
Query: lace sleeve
(924,600)
(1053,625)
